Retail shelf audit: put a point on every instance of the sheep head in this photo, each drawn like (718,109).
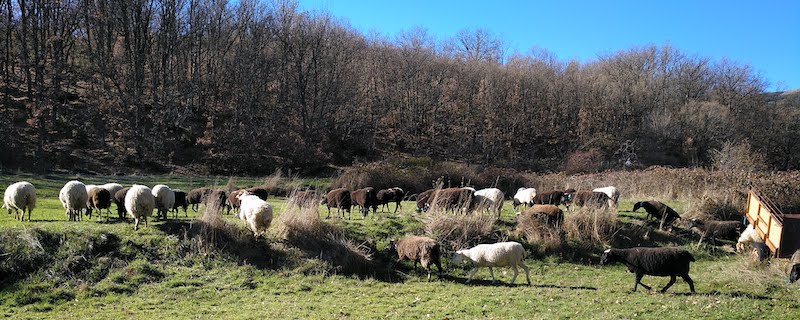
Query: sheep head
(636,206)
(459,256)
(695,223)
(795,274)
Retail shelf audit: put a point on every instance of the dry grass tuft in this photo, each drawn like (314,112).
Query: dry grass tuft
(591,228)
(302,228)
(457,232)
(715,208)
(538,232)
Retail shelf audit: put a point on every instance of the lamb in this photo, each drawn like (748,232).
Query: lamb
(365,198)
(119,199)
(659,211)
(423,200)
(554,197)
(660,262)
(612,193)
(548,213)
(419,249)
(714,229)
(165,200)
(339,199)
(255,212)
(490,199)
(73,197)
(500,254)
(394,194)
(99,199)
(180,202)
(139,202)
(794,274)
(197,196)
(20,196)
(524,196)
(452,198)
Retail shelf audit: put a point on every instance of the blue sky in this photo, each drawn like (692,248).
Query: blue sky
(763,34)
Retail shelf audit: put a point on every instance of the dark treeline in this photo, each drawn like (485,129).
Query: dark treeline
(251,86)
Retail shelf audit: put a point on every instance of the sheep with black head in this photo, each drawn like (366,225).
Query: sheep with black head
(659,211)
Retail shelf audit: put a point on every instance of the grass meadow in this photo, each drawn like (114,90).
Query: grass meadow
(200,267)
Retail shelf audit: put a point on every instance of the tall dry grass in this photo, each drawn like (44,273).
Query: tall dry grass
(591,228)
(457,231)
(302,228)
(538,232)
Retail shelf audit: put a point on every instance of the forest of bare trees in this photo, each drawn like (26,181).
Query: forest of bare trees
(251,86)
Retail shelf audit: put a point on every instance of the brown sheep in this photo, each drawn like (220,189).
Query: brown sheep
(452,198)
(554,197)
(724,229)
(261,193)
(365,198)
(418,249)
(590,199)
(197,196)
(233,200)
(423,200)
(339,199)
(99,199)
(548,213)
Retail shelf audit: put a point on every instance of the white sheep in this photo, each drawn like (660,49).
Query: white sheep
(73,197)
(165,200)
(524,196)
(139,202)
(112,188)
(502,254)
(612,193)
(20,196)
(256,213)
(490,199)
(750,237)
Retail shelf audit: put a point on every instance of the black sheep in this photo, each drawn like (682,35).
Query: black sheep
(387,196)
(261,193)
(119,199)
(590,199)
(794,274)
(659,211)
(197,196)
(660,262)
(554,197)
(180,202)
(713,229)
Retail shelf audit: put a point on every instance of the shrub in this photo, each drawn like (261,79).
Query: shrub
(583,161)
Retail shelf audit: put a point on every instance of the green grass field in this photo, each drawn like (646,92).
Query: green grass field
(55,269)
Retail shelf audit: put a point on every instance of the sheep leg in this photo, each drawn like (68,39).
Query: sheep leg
(472,273)
(491,272)
(136,224)
(639,281)
(689,281)
(701,239)
(516,272)
(527,272)
(669,284)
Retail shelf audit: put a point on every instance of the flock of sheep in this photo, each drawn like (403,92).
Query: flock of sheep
(139,201)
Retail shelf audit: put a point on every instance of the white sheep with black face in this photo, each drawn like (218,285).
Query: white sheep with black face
(502,254)
(612,193)
(524,196)
(20,196)
(489,199)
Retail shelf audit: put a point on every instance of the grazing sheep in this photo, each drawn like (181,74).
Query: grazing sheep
(502,254)
(490,199)
(418,249)
(119,199)
(386,196)
(748,237)
(554,197)
(423,200)
(216,200)
(659,262)
(452,198)
(365,198)
(99,199)
(139,202)
(524,196)
(339,199)
(659,211)
(591,199)
(794,274)
(255,212)
(547,213)
(20,196)
(180,202)
(197,196)
(261,193)
(112,188)
(723,229)
(612,193)
(233,200)
(73,197)
(165,200)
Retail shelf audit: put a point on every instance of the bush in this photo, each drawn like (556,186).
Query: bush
(583,161)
